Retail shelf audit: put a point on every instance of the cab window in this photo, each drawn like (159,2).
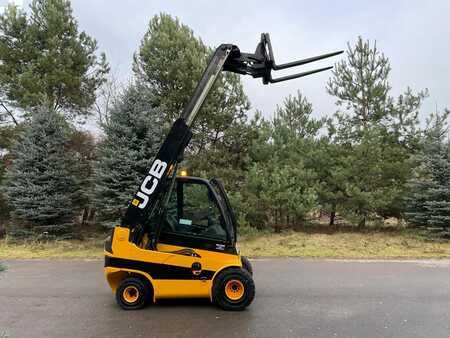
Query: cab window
(193,211)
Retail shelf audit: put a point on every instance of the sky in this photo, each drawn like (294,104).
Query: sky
(413,34)
(3,4)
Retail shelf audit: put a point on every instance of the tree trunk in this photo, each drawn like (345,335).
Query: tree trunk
(362,222)
(332,218)
(84,217)
(91,216)
(277,221)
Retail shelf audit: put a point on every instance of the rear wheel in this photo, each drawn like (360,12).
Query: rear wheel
(247,265)
(132,294)
(233,289)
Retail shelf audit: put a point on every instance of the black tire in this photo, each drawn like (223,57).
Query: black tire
(149,287)
(247,265)
(227,278)
(132,294)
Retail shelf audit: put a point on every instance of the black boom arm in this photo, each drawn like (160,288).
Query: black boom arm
(148,199)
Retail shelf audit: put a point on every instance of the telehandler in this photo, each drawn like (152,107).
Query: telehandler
(178,235)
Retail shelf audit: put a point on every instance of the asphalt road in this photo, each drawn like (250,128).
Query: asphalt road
(294,298)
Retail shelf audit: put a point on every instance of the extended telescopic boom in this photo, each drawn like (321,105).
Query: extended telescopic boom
(148,199)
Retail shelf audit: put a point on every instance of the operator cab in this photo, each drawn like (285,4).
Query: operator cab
(198,215)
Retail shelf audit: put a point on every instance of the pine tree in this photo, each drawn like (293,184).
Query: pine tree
(377,134)
(279,195)
(331,168)
(294,121)
(428,203)
(42,187)
(438,202)
(8,137)
(170,60)
(4,209)
(44,59)
(132,138)
(82,148)
(281,184)
(360,84)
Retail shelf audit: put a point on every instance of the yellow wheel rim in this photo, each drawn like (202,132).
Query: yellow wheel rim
(234,289)
(130,294)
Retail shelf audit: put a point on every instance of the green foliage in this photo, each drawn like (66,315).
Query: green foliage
(170,61)
(46,60)
(42,186)
(46,65)
(293,120)
(82,147)
(429,200)
(360,85)
(330,165)
(370,161)
(227,156)
(402,121)
(132,137)
(9,134)
(375,173)
(280,188)
(376,134)
(279,195)
(4,207)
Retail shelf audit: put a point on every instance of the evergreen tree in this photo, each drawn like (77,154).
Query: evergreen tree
(44,59)
(361,87)
(403,121)
(279,195)
(8,136)
(132,138)
(82,147)
(4,210)
(295,130)
(438,202)
(376,134)
(293,120)
(429,200)
(42,187)
(170,60)
(330,166)
(281,184)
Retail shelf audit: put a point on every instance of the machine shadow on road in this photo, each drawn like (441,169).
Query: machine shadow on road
(183,302)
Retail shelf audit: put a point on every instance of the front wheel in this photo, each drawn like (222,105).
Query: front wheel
(233,289)
(132,294)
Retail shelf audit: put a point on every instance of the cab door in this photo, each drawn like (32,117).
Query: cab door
(195,234)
